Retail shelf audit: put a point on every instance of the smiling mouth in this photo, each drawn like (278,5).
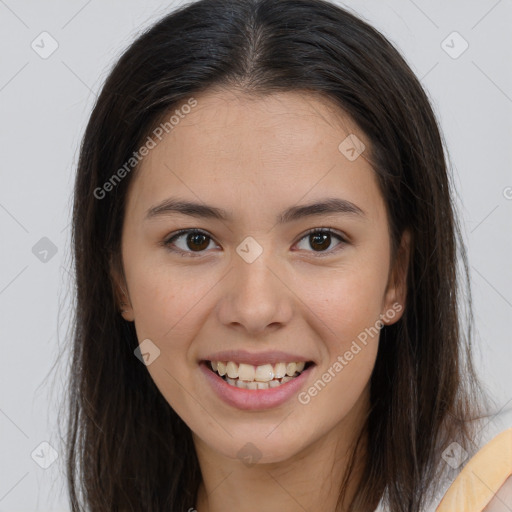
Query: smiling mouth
(248,376)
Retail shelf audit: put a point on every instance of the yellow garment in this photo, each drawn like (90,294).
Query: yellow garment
(482,477)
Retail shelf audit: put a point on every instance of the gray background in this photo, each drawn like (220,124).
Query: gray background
(45,103)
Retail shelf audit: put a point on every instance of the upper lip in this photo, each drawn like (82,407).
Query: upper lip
(261,358)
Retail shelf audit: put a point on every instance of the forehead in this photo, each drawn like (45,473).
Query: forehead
(272,150)
(231,124)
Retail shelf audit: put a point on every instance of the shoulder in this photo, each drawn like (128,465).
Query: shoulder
(485,483)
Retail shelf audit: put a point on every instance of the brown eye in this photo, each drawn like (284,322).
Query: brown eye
(196,241)
(192,241)
(320,240)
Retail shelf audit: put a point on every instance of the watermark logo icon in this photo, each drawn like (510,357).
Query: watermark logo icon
(44,250)
(249,249)
(147,352)
(454,455)
(44,455)
(249,454)
(351,147)
(44,45)
(454,45)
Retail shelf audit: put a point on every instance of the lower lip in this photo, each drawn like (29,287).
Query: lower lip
(254,399)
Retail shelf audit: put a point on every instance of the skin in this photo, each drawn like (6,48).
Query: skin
(255,157)
(502,501)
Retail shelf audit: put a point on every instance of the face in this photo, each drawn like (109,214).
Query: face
(257,286)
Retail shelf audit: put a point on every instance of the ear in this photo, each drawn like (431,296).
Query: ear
(396,291)
(121,296)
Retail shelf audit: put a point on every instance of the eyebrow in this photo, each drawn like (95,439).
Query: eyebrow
(326,206)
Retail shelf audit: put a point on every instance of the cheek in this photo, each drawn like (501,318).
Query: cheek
(166,303)
(347,307)
(348,299)
(165,298)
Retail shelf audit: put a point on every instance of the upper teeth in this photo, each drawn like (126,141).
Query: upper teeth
(263,373)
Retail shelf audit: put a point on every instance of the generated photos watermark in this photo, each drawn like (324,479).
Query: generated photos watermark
(363,337)
(151,143)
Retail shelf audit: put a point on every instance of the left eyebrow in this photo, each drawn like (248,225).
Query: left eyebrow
(324,207)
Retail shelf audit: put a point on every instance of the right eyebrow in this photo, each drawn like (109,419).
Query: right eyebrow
(323,207)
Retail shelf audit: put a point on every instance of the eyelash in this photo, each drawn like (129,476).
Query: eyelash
(194,231)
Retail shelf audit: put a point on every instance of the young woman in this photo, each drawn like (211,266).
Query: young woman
(268,303)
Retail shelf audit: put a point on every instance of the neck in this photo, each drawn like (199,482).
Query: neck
(309,480)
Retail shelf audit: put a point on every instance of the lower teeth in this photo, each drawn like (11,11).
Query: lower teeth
(237,383)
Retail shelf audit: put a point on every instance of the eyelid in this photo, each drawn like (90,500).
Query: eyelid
(177,234)
(344,238)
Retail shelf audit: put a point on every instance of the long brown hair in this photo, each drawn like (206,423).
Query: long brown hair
(126,447)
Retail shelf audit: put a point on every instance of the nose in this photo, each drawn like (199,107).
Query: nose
(255,296)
